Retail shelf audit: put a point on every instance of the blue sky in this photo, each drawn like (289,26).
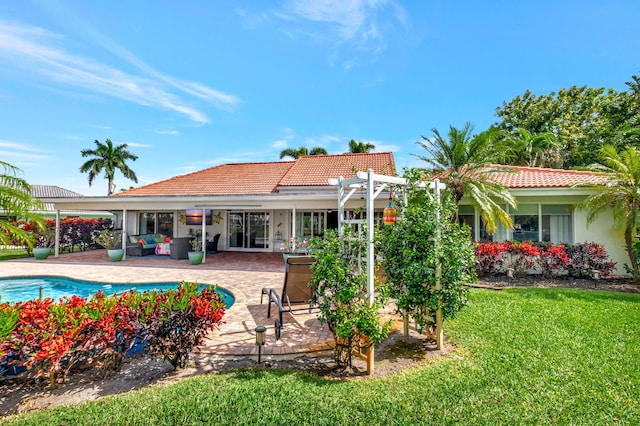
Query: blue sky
(189,85)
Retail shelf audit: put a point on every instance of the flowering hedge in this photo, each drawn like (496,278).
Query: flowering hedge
(74,231)
(51,339)
(551,260)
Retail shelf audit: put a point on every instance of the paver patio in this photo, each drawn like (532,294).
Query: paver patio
(243,274)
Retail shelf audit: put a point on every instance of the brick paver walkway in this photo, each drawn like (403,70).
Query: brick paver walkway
(244,274)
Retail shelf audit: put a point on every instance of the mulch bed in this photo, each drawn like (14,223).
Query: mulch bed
(609,284)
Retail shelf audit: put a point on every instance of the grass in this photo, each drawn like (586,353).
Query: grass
(524,356)
(12,254)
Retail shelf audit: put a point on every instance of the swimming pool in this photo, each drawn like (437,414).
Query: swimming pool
(17,289)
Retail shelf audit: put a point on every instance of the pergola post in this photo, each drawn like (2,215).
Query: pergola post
(436,186)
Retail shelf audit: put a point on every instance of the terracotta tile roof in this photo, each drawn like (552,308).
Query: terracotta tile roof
(241,178)
(537,177)
(316,170)
(266,178)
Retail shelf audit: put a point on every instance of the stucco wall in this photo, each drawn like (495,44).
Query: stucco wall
(601,231)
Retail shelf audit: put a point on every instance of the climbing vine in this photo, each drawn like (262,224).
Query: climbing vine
(341,281)
(410,250)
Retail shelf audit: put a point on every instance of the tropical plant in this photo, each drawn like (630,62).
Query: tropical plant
(465,164)
(360,147)
(584,258)
(16,203)
(424,249)
(340,281)
(301,152)
(52,338)
(583,119)
(108,238)
(620,193)
(196,244)
(108,158)
(533,150)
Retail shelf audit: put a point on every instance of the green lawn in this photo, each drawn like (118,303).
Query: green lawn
(525,356)
(12,254)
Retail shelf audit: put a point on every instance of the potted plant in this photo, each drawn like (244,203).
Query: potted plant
(196,254)
(110,240)
(44,243)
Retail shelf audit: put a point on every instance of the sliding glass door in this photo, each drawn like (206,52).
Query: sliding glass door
(248,230)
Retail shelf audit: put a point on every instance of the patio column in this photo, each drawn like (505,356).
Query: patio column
(56,251)
(204,235)
(293,225)
(125,236)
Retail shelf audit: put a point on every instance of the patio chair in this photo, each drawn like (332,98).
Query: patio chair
(295,290)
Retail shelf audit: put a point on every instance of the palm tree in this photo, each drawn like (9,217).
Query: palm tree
(620,193)
(360,147)
(16,203)
(108,158)
(465,161)
(533,150)
(301,152)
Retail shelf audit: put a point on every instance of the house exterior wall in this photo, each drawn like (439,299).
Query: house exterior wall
(601,230)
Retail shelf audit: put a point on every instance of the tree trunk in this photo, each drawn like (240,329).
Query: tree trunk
(628,239)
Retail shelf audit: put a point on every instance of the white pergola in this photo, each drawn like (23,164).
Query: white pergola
(374,184)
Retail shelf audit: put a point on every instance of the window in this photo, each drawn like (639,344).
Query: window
(310,224)
(155,223)
(467,216)
(248,229)
(532,222)
(526,223)
(557,224)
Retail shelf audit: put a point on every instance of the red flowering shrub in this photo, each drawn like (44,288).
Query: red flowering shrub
(178,321)
(50,339)
(553,259)
(523,256)
(74,231)
(490,257)
(584,258)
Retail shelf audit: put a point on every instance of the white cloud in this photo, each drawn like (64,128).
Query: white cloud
(17,146)
(168,132)
(137,145)
(34,50)
(361,24)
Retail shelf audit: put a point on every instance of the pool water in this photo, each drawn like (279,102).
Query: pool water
(20,289)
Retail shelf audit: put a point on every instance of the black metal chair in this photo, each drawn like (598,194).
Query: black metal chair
(295,290)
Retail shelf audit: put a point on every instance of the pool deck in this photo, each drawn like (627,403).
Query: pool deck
(243,274)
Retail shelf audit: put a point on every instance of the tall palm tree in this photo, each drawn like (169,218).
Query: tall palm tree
(17,203)
(465,160)
(620,193)
(301,152)
(108,158)
(360,147)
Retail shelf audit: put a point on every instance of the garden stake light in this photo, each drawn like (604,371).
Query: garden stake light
(260,338)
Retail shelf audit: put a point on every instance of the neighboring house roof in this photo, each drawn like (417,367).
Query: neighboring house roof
(266,178)
(52,191)
(538,177)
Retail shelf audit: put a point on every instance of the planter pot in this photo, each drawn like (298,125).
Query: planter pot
(195,257)
(115,255)
(41,253)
